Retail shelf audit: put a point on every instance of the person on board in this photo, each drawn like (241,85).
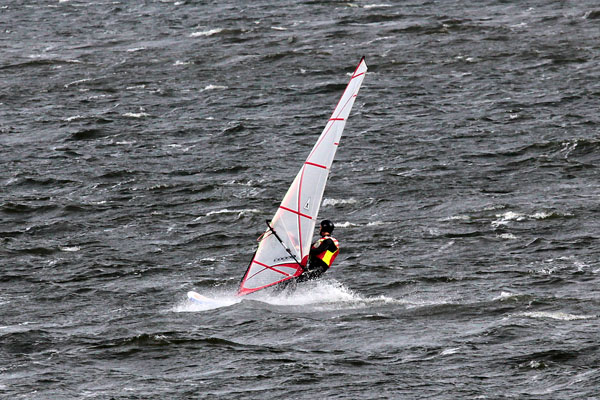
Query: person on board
(322,253)
(321,256)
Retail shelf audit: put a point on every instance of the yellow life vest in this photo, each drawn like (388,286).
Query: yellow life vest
(328,256)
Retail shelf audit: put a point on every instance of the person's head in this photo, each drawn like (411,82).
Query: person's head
(326,227)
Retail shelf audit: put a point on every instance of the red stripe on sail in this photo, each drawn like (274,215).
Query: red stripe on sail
(315,165)
(299,221)
(244,290)
(296,212)
(333,117)
(271,268)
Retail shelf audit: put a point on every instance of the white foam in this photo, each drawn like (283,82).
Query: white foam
(544,215)
(206,33)
(368,6)
(324,295)
(309,293)
(218,300)
(505,295)
(556,315)
(239,212)
(77,82)
(425,302)
(321,295)
(335,202)
(511,216)
(450,351)
(249,183)
(74,118)
(534,364)
(493,207)
(348,224)
(504,219)
(377,223)
(214,87)
(136,115)
(457,218)
(189,306)
(71,249)
(541,215)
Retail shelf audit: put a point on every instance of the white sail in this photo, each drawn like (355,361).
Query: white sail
(286,243)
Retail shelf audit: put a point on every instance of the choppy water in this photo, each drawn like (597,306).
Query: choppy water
(144,143)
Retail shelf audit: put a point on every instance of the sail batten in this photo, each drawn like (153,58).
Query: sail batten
(279,255)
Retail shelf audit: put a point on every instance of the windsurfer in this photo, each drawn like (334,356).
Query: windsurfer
(321,256)
(322,253)
(284,254)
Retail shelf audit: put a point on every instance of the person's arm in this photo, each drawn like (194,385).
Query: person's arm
(322,247)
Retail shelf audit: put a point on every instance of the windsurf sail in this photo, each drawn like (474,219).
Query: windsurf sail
(283,248)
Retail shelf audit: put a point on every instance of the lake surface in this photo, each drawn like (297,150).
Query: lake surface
(144,143)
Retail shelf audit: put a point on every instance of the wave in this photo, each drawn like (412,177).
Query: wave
(240,213)
(579,150)
(558,315)
(136,115)
(322,295)
(335,202)
(512,216)
(209,32)
(38,62)
(160,339)
(89,134)
(349,224)
(214,87)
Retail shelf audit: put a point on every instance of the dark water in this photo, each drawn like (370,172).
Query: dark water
(144,143)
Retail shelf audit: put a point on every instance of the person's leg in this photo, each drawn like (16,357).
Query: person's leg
(311,274)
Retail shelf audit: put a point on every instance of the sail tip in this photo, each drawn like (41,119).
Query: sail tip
(362,60)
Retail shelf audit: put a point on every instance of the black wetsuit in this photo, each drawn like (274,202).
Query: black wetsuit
(317,267)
